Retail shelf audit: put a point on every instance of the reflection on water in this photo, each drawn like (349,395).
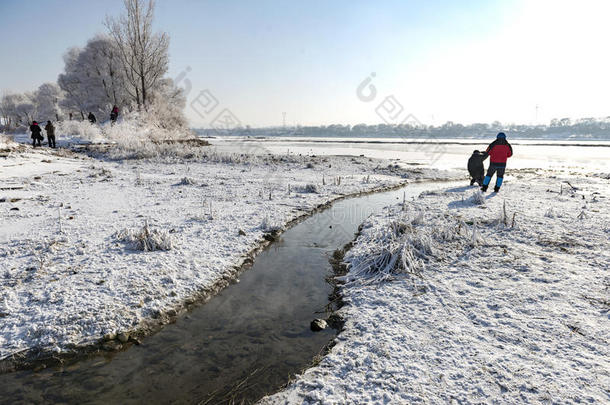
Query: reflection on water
(241,345)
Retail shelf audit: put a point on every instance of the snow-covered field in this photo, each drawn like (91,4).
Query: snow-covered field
(93,248)
(499,299)
(454,297)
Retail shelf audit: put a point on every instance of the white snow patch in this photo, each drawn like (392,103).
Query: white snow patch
(65,278)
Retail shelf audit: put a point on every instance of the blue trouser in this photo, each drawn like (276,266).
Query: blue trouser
(497,168)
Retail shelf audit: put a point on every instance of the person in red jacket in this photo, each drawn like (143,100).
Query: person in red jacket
(499,151)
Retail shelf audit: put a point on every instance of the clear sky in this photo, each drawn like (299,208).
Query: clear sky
(464,61)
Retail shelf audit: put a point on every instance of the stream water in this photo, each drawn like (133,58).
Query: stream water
(244,343)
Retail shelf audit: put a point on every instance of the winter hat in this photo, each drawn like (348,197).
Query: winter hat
(501,135)
(475,152)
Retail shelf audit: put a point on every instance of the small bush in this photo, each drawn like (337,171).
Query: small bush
(419,219)
(146,239)
(393,249)
(6,142)
(186,181)
(308,188)
(79,132)
(478,198)
(448,233)
(269,226)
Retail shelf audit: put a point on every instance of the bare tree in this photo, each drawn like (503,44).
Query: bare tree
(7,109)
(17,108)
(144,53)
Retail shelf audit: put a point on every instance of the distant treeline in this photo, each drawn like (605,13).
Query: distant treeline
(584,128)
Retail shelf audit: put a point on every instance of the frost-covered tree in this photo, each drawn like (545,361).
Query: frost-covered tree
(125,68)
(47,99)
(26,107)
(93,77)
(102,60)
(144,53)
(166,106)
(75,83)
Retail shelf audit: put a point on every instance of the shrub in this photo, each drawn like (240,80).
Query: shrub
(392,249)
(6,142)
(146,239)
(308,188)
(269,226)
(79,132)
(478,198)
(186,181)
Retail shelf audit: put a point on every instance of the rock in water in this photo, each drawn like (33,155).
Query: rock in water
(318,325)
(123,337)
(111,346)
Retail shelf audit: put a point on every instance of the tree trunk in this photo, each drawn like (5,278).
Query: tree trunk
(138,101)
(143,91)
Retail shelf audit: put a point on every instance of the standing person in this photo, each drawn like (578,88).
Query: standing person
(91,118)
(36,134)
(50,133)
(476,168)
(499,151)
(114,114)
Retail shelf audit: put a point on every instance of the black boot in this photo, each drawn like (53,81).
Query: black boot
(483,188)
(496,189)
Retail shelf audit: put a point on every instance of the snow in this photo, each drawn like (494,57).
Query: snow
(7,143)
(439,153)
(456,296)
(511,304)
(94,247)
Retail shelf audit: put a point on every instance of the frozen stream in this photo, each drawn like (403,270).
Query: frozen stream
(244,343)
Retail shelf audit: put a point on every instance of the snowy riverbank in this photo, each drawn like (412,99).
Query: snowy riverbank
(72,226)
(482,310)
